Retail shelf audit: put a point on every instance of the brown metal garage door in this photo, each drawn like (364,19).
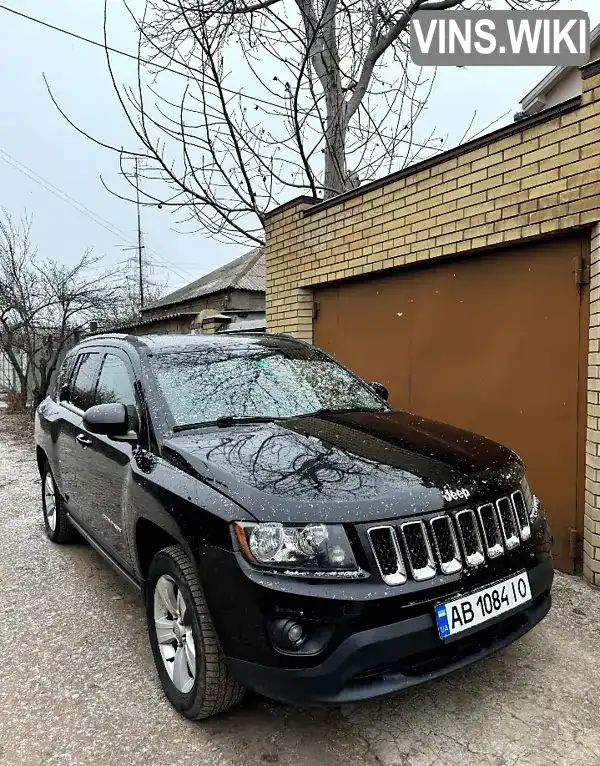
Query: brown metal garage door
(494,344)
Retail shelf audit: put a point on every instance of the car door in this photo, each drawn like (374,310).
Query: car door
(60,468)
(108,479)
(74,398)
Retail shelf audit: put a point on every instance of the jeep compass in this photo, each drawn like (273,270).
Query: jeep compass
(288,531)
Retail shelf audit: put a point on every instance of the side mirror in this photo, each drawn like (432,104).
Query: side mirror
(63,393)
(380,390)
(110,420)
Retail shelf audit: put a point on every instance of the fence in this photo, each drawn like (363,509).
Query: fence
(9,380)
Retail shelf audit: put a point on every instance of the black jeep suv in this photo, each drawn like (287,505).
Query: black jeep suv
(289,532)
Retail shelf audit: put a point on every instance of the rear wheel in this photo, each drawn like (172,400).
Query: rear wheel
(188,658)
(56,522)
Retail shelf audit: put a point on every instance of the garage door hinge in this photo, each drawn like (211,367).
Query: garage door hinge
(582,270)
(573,543)
(315,310)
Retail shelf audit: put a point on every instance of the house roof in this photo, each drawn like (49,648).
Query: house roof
(245,273)
(552,79)
(145,321)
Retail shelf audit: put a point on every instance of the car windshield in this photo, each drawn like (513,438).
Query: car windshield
(258,380)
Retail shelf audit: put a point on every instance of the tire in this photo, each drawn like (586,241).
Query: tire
(56,523)
(211,689)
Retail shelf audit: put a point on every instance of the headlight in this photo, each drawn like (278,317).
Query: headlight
(532,503)
(526,493)
(308,547)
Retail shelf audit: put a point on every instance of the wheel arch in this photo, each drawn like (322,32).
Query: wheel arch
(151,536)
(41,457)
(149,539)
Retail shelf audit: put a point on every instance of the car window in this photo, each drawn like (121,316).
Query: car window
(84,381)
(114,384)
(63,375)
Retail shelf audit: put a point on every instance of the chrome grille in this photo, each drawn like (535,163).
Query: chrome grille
(491,530)
(508,522)
(470,539)
(384,544)
(418,550)
(518,502)
(446,545)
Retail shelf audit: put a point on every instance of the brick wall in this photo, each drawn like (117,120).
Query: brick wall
(542,179)
(531,180)
(591,530)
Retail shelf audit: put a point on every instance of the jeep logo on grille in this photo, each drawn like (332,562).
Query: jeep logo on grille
(456,494)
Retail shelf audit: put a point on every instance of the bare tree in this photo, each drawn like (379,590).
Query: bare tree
(43,305)
(278,98)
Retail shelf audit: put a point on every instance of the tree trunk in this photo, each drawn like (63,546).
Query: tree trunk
(23,385)
(38,398)
(335,179)
(17,400)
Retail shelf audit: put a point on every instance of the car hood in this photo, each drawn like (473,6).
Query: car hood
(354,467)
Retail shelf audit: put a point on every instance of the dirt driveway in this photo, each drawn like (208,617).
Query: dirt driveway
(78,684)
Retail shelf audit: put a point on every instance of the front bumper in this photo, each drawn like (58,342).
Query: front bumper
(392,657)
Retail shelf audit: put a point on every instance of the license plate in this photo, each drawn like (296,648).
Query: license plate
(482,606)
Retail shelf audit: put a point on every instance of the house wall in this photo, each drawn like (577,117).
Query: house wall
(542,179)
(570,86)
(565,89)
(231,300)
(184,324)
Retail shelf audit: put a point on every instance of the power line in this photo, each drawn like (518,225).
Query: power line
(75,203)
(83,209)
(63,196)
(55,190)
(80,207)
(104,47)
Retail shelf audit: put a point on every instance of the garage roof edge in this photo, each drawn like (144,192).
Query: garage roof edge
(590,70)
(509,130)
(489,138)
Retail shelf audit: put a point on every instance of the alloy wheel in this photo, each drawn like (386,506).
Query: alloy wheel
(50,502)
(174,633)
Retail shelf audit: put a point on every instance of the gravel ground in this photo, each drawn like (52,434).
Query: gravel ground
(78,684)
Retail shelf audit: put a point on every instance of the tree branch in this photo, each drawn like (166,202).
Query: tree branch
(254,7)
(442,5)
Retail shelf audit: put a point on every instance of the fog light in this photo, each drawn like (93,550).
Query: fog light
(295,633)
(288,634)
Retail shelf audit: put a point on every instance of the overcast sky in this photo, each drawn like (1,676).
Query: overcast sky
(34,134)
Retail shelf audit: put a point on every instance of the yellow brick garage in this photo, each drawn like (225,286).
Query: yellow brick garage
(533,182)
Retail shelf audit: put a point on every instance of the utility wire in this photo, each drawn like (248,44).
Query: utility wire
(84,210)
(104,47)
(64,197)
(54,189)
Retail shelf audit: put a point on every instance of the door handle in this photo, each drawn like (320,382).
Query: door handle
(84,441)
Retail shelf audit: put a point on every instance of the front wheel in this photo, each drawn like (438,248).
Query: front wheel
(184,643)
(56,523)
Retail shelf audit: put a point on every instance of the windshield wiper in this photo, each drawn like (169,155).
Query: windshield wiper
(223,422)
(231,420)
(327,411)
